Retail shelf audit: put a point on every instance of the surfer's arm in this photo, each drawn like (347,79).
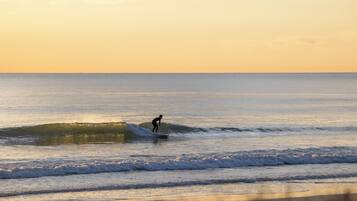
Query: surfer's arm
(160,122)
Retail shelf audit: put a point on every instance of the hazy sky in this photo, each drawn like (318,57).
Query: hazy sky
(178,35)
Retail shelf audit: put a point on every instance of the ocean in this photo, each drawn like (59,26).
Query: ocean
(81,133)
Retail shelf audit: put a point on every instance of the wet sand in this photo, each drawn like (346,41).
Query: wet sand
(339,197)
(313,192)
(275,191)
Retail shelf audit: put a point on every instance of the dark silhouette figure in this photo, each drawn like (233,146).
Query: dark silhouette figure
(155,125)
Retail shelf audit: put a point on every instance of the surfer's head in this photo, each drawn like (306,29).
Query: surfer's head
(160,116)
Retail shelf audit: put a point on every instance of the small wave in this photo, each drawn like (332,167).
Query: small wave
(67,133)
(111,130)
(323,155)
(168,128)
(282,129)
(64,128)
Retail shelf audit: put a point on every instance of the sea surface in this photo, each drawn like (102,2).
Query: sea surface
(91,132)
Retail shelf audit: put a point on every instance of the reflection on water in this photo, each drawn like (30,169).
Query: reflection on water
(82,139)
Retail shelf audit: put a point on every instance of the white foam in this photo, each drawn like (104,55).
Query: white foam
(60,167)
(139,131)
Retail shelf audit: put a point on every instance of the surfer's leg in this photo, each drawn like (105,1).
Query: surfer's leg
(156,128)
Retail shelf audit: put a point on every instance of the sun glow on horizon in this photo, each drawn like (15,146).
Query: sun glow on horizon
(178,36)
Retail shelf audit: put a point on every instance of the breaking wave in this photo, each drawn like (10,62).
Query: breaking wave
(143,129)
(257,158)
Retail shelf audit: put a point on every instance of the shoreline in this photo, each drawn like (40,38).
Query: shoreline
(329,190)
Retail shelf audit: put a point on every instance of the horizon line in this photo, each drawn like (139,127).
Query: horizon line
(322,72)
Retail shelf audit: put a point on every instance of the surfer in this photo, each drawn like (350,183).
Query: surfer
(155,125)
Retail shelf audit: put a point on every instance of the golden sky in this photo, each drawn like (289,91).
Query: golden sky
(178,35)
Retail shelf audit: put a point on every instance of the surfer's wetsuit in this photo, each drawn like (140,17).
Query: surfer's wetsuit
(155,125)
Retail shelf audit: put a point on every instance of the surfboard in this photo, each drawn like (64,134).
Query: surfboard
(161,136)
